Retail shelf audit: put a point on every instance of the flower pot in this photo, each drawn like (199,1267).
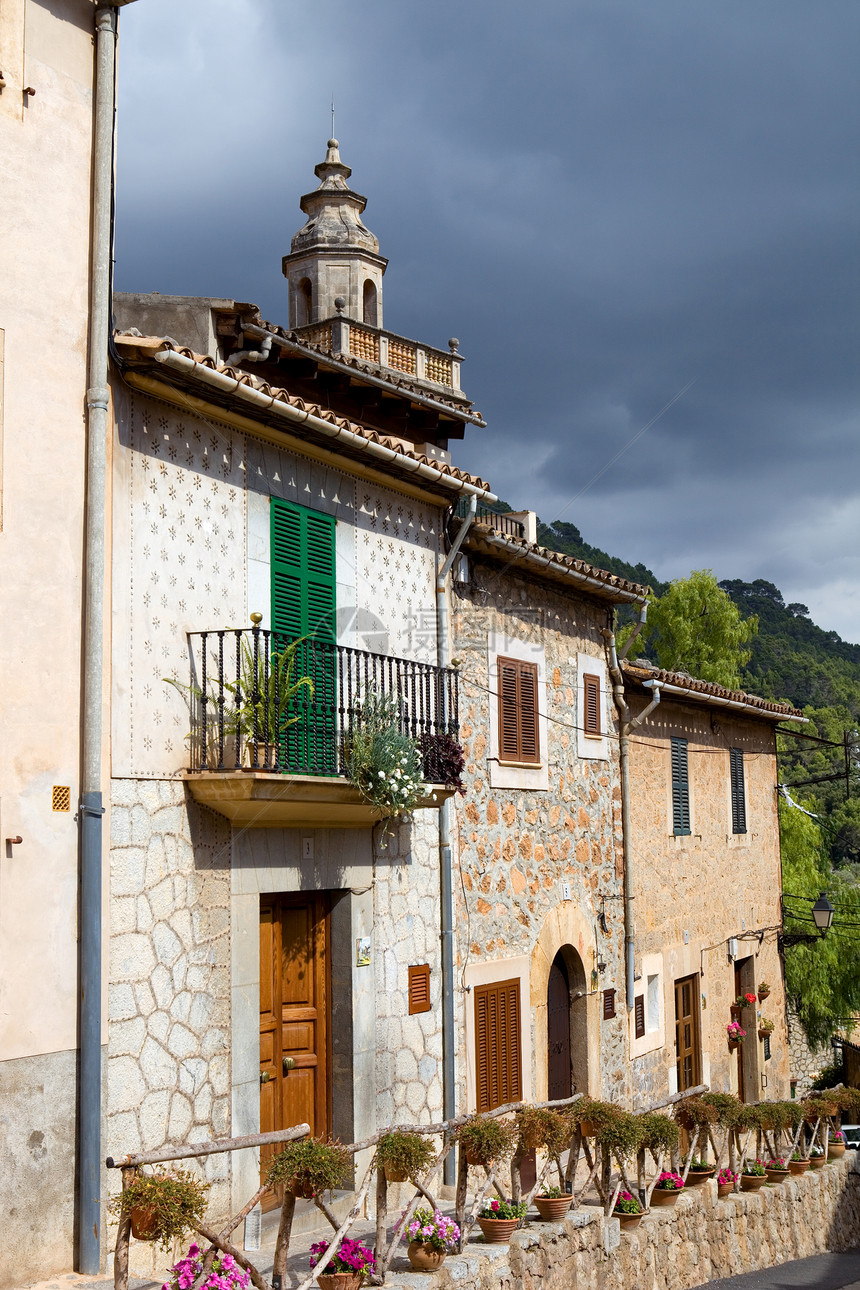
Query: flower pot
(474,1157)
(497,1230)
(752,1182)
(144,1223)
(798,1167)
(735,1009)
(698,1177)
(734,1045)
(628,1221)
(340,1280)
(393,1175)
(762,994)
(778,1175)
(553,1208)
(586,1128)
(423,1257)
(835,1150)
(724,1190)
(763,1032)
(302,1189)
(661,1196)
(817,1162)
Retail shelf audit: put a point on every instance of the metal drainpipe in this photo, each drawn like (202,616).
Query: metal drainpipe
(627,726)
(446,882)
(91,810)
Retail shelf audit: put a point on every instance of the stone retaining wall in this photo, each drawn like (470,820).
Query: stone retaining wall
(698,1241)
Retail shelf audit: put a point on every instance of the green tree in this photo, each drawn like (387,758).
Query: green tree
(697,628)
(821,978)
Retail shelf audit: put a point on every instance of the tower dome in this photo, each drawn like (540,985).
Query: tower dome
(334,254)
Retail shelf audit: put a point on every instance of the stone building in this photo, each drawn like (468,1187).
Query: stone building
(704,842)
(540,945)
(274,957)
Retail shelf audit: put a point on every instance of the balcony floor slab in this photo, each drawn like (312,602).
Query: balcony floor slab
(263,799)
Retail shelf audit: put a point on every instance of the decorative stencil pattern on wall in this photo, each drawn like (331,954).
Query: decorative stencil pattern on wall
(186,568)
(397,540)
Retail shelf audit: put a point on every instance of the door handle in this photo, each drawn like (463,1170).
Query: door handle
(288,1064)
(264,1077)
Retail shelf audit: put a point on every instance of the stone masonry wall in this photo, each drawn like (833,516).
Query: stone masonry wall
(518,848)
(700,1240)
(168,1070)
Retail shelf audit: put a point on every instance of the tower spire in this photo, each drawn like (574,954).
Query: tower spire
(334,253)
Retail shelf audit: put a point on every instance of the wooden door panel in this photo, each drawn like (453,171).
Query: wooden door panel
(293,1015)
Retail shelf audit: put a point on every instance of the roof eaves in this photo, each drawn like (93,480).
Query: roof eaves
(690,687)
(555,565)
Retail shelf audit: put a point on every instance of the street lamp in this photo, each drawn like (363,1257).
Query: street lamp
(822,912)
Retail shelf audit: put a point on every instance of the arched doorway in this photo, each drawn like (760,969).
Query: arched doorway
(567,1026)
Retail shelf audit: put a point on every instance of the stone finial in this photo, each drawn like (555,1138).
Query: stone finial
(453,344)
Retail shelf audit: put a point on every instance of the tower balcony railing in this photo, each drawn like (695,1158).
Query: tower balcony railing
(342,335)
(263,701)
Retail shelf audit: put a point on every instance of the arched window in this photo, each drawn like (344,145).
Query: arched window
(369,303)
(304,303)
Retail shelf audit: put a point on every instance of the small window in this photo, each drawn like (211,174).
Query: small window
(653,1003)
(680,789)
(591,704)
(419,988)
(304,303)
(739,804)
(369,314)
(767,1052)
(639,1014)
(518,711)
(498,1062)
(608,1004)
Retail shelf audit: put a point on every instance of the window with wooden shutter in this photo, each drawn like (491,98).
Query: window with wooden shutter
(419,988)
(498,1061)
(639,1015)
(519,740)
(303,608)
(739,805)
(608,1004)
(680,788)
(591,704)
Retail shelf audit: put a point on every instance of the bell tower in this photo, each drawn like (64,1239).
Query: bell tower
(334,257)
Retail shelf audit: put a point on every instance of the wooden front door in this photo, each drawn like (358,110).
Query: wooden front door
(559,1073)
(687,1045)
(294,1009)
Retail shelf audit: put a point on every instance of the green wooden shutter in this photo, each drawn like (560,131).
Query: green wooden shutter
(680,788)
(303,605)
(739,805)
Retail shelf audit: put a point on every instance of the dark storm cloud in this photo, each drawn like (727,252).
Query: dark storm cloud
(603,200)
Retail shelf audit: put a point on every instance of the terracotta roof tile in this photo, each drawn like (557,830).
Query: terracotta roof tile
(707,689)
(566,567)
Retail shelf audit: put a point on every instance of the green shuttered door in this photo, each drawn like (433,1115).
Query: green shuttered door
(303,605)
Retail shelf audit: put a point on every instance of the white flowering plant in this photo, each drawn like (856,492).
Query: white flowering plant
(384,764)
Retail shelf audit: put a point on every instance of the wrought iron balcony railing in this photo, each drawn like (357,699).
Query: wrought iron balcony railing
(261,700)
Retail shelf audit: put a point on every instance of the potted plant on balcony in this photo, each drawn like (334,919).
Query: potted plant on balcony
(552,1204)
(726,1180)
(798,1164)
(668,1188)
(777,1169)
(628,1211)
(487,1140)
(443,759)
(498,1219)
(308,1167)
(753,1175)
(735,1034)
(765,1027)
(383,764)
(163,1206)
(403,1155)
(431,1236)
(763,991)
(349,1265)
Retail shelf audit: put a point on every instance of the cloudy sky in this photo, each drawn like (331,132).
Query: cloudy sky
(604,200)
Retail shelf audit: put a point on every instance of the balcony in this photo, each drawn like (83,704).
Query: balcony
(272,718)
(422,363)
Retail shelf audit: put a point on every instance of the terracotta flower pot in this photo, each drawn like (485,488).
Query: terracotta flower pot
(763,1032)
(586,1128)
(778,1175)
(303,1189)
(724,1190)
(835,1150)
(752,1182)
(735,1009)
(662,1196)
(817,1162)
(340,1280)
(144,1223)
(798,1167)
(474,1157)
(423,1257)
(762,994)
(497,1230)
(698,1177)
(553,1208)
(393,1175)
(629,1221)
